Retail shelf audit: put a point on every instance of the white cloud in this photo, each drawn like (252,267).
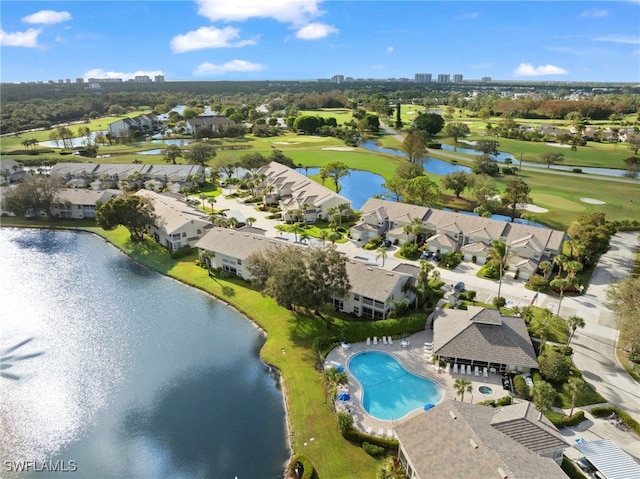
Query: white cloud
(619,38)
(315,31)
(47,17)
(528,70)
(208,37)
(231,66)
(594,12)
(28,39)
(297,12)
(467,16)
(390,49)
(100,73)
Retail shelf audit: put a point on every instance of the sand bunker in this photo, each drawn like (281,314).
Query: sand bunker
(285,142)
(533,208)
(591,201)
(338,148)
(558,145)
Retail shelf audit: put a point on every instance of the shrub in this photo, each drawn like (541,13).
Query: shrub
(300,462)
(489,270)
(450,260)
(536,377)
(559,420)
(360,437)
(577,170)
(499,301)
(372,449)
(474,259)
(504,401)
(602,411)
(521,387)
(409,250)
(570,469)
(182,252)
(537,283)
(469,295)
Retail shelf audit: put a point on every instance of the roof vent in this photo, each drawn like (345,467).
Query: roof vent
(503,474)
(473,443)
(452,414)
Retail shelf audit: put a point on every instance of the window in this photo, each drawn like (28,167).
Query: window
(356,310)
(199,232)
(356,297)
(239,261)
(184,235)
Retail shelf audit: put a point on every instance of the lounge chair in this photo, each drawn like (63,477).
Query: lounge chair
(390,433)
(368,341)
(455,368)
(390,340)
(477,371)
(369,430)
(375,340)
(469,369)
(384,340)
(381,432)
(447,368)
(345,346)
(485,372)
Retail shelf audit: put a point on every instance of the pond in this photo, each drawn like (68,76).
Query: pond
(502,156)
(431,165)
(125,372)
(156,151)
(75,142)
(174,141)
(358,187)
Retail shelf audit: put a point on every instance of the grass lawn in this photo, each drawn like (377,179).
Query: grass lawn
(308,413)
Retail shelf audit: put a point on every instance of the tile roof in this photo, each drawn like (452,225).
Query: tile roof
(475,335)
(77,196)
(456,440)
(373,282)
(173,214)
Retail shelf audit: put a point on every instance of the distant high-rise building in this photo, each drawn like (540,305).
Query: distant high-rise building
(79,80)
(158,78)
(457,78)
(444,78)
(61,81)
(143,79)
(486,79)
(105,80)
(423,77)
(337,79)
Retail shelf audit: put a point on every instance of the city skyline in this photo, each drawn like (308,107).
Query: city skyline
(313,39)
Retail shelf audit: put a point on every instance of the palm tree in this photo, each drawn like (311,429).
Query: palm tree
(543,396)
(202,197)
(205,257)
(250,220)
(296,228)
(382,253)
(574,322)
(574,387)
(416,228)
(560,260)
(573,268)
(324,234)
(499,255)
(211,200)
(560,284)
(462,385)
(546,267)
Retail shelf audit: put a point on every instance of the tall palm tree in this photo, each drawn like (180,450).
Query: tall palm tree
(543,396)
(250,220)
(462,385)
(574,322)
(296,228)
(211,200)
(416,228)
(560,260)
(499,255)
(546,267)
(573,268)
(382,253)
(574,387)
(561,284)
(324,234)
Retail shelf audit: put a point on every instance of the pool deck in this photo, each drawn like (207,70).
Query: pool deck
(414,358)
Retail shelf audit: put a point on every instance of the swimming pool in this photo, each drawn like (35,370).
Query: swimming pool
(389,390)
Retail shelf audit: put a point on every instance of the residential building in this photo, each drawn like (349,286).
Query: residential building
(457,78)
(73,203)
(177,224)
(122,175)
(483,338)
(423,77)
(373,290)
(158,78)
(215,123)
(447,231)
(463,440)
(444,78)
(297,194)
(337,79)
(10,171)
(128,127)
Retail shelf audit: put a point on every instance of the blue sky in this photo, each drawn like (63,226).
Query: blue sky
(309,39)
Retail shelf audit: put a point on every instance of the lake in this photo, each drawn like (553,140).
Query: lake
(122,372)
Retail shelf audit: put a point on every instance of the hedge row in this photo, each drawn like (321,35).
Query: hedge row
(358,437)
(602,411)
(560,420)
(570,469)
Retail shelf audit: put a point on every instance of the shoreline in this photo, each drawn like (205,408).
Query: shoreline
(281,381)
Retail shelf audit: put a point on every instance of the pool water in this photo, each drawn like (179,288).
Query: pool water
(389,390)
(486,390)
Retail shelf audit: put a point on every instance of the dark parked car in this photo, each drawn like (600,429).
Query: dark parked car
(386,244)
(426,254)
(584,464)
(459,287)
